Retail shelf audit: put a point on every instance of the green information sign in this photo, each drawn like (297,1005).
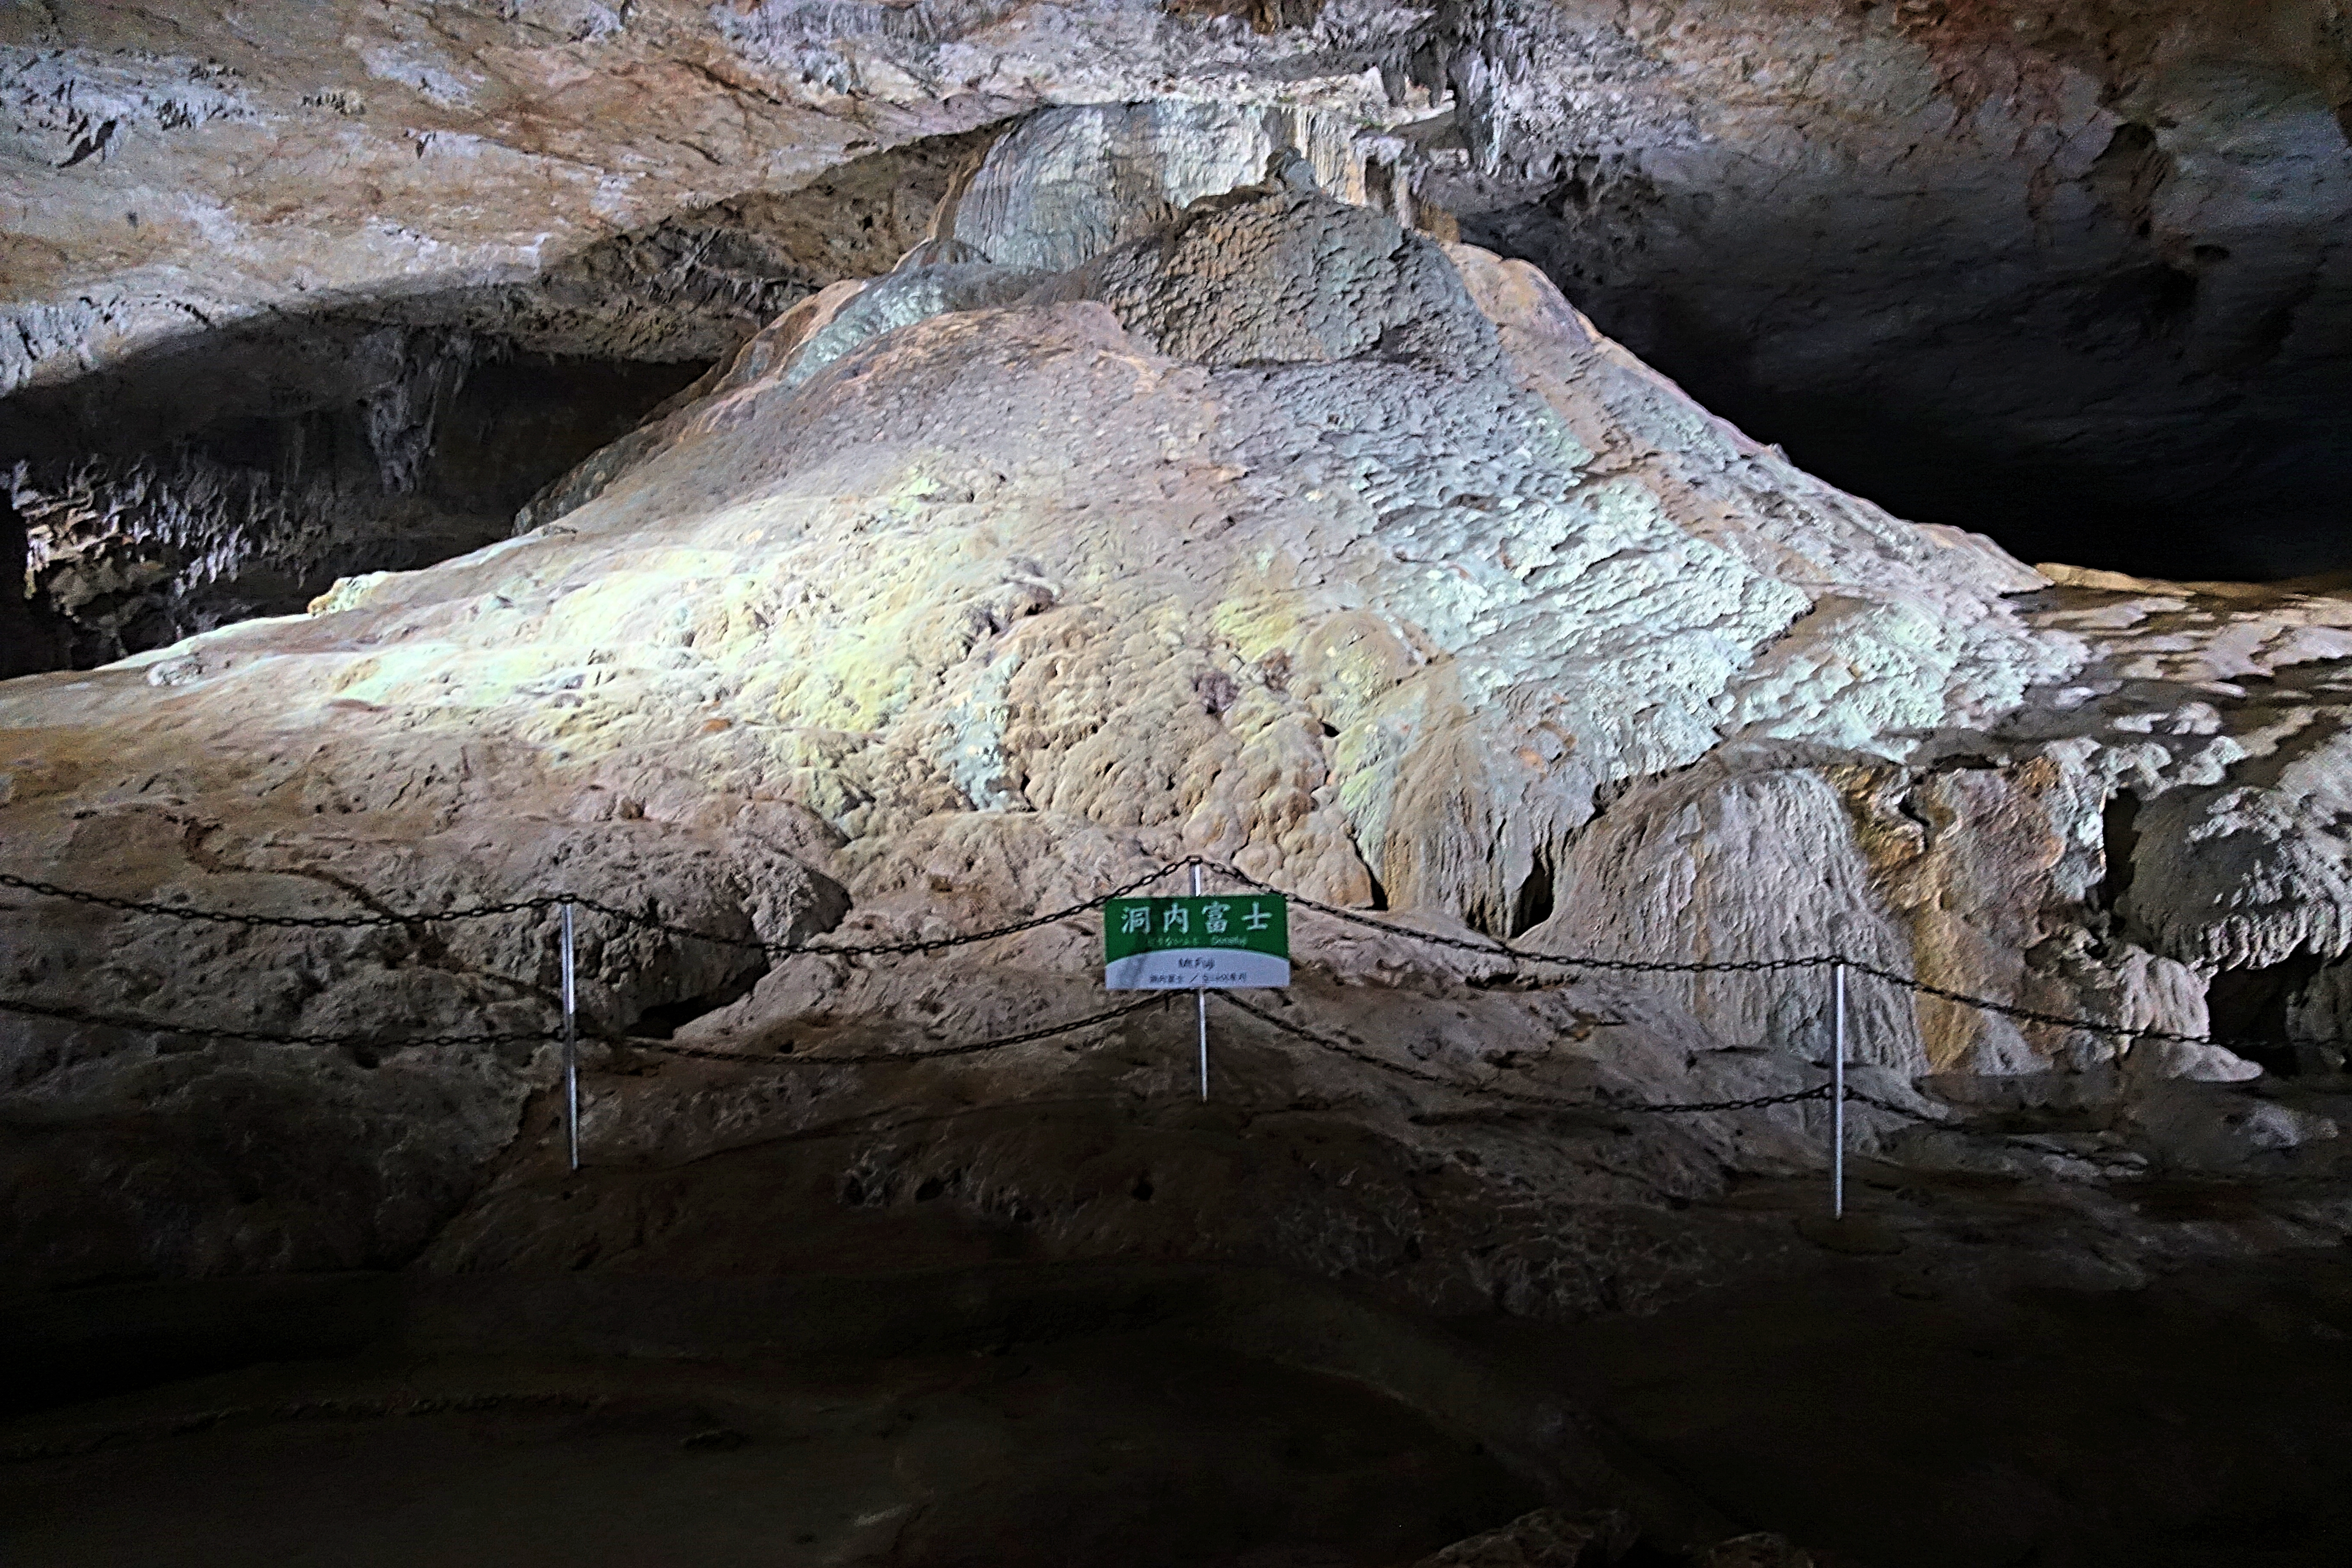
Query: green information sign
(1219,941)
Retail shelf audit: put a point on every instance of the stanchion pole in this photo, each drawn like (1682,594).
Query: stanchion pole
(1201,1003)
(1837,1096)
(571,1040)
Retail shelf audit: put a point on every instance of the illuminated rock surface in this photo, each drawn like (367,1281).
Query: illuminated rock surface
(2071,275)
(1129,486)
(1285,536)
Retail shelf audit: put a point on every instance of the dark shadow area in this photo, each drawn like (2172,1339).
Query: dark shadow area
(241,470)
(1533,906)
(663,1020)
(1915,1410)
(2250,1007)
(241,474)
(1137,1414)
(108,1340)
(886,1405)
(1143,1452)
(2120,839)
(2108,392)
(30,637)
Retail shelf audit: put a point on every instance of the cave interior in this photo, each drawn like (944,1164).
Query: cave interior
(2110,331)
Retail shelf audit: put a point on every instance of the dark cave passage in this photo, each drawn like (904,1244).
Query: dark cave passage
(2146,370)
(241,471)
(2243,492)
(242,475)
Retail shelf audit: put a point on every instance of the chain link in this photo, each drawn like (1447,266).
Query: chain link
(2061,1021)
(1552,1103)
(277,922)
(612,912)
(263,1036)
(885,1058)
(1490,947)
(882,949)
(1494,948)
(1703,1107)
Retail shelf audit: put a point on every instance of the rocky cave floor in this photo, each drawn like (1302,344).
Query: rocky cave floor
(1968,1370)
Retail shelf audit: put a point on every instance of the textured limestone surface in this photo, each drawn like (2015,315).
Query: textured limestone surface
(1286,536)
(2069,274)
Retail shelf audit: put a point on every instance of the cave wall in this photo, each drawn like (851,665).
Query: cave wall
(241,472)
(2073,275)
(1273,533)
(438,438)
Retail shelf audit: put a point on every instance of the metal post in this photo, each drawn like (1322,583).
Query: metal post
(1201,1003)
(570,1042)
(1837,1101)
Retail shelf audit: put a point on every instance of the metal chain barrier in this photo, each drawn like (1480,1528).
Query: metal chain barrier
(550,901)
(264,1037)
(1835,1091)
(1498,949)
(1554,1103)
(880,949)
(2059,1020)
(1490,947)
(280,922)
(886,1058)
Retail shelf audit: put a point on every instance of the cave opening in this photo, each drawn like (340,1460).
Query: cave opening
(1533,904)
(662,1020)
(2119,841)
(2251,1011)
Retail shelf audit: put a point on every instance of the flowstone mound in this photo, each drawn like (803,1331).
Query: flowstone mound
(2069,273)
(1282,536)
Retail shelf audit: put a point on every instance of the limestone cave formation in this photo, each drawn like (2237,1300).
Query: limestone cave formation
(240,472)
(652,644)
(2106,320)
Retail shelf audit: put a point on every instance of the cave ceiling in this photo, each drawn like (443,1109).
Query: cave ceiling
(299,290)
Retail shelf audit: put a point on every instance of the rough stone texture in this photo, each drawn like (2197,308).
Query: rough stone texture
(1289,276)
(276,157)
(901,299)
(1100,694)
(404,452)
(1547,1538)
(1991,263)
(1759,1551)
(1067,184)
(2071,274)
(1286,537)
(240,473)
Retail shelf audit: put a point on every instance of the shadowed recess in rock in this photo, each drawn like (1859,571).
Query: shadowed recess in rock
(240,471)
(2104,318)
(244,474)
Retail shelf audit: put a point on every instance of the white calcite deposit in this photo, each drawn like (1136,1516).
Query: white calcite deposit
(1192,512)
